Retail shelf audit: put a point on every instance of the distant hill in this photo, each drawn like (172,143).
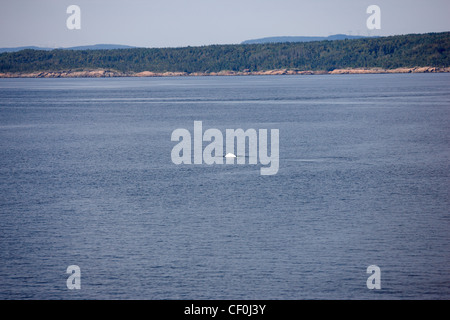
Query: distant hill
(15,49)
(90,47)
(300,39)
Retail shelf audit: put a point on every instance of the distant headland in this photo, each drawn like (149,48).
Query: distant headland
(285,39)
(413,53)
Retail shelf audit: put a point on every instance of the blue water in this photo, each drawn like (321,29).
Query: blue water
(86,178)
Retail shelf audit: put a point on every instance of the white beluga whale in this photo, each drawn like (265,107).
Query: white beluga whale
(230,155)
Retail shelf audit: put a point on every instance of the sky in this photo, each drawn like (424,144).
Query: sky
(178,23)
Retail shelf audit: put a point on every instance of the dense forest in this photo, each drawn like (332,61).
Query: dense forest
(414,50)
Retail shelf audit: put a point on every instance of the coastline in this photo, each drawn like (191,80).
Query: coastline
(102,73)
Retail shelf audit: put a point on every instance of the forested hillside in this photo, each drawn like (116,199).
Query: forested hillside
(415,50)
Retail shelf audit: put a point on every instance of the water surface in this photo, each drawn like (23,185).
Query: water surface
(86,179)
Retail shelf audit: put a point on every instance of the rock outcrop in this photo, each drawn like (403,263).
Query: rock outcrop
(65,74)
(397,70)
(113,73)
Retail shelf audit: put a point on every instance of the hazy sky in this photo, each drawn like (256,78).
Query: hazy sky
(172,23)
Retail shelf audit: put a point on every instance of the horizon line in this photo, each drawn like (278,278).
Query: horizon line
(214,44)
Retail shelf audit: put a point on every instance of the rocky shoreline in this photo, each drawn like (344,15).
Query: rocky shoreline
(100,73)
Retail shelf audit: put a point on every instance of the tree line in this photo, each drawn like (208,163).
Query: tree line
(414,50)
